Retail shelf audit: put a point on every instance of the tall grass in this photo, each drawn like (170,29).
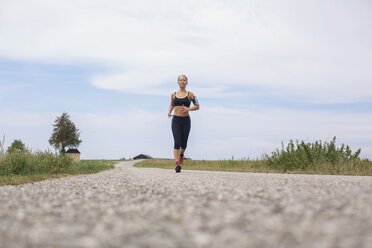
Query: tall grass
(318,156)
(25,166)
(27,162)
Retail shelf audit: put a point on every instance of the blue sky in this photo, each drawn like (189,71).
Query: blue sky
(264,73)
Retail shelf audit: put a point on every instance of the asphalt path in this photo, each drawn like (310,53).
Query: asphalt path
(138,207)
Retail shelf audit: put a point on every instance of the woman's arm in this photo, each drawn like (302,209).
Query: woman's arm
(171,107)
(170,110)
(195,102)
(193,108)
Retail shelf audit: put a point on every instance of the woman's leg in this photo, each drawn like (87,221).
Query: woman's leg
(176,153)
(185,135)
(182,152)
(177,134)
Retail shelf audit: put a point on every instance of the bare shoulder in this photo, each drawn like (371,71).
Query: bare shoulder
(191,95)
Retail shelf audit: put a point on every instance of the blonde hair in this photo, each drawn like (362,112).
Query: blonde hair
(182,75)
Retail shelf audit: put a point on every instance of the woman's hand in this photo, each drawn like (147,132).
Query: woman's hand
(169,115)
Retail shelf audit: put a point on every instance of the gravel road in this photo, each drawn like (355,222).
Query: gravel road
(135,207)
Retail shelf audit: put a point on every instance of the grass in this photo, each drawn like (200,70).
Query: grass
(319,157)
(364,168)
(83,167)
(297,157)
(92,166)
(210,165)
(18,166)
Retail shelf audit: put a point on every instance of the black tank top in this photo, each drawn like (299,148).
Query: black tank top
(181,101)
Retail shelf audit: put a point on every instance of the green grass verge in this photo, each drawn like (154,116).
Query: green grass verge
(83,167)
(364,168)
(92,166)
(210,165)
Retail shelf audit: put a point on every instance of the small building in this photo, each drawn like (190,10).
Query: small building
(74,154)
(142,156)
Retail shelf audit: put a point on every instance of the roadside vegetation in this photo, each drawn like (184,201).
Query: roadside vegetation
(25,167)
(319,158)
(295,157)
(19,167)
(18,164)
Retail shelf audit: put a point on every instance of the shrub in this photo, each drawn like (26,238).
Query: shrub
(301,155)
(17,145)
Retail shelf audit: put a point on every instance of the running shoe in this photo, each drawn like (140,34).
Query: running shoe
(178,168)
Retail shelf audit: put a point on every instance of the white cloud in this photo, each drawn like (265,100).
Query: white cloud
(315,51)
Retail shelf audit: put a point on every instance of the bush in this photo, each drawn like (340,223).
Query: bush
(17,145)
(301,155)
(26,162)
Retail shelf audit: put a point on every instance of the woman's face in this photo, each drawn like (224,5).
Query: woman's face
(182,82)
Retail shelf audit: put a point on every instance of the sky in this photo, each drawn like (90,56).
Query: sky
(264,71)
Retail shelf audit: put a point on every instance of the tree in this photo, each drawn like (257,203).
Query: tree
(17,145)
(65,134)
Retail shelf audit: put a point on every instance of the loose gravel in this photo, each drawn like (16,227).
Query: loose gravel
(137,207)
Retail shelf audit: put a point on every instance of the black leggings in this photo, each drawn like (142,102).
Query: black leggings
(181,128)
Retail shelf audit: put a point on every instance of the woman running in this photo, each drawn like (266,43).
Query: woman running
(181,122)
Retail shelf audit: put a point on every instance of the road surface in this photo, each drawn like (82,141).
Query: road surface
(136,207)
